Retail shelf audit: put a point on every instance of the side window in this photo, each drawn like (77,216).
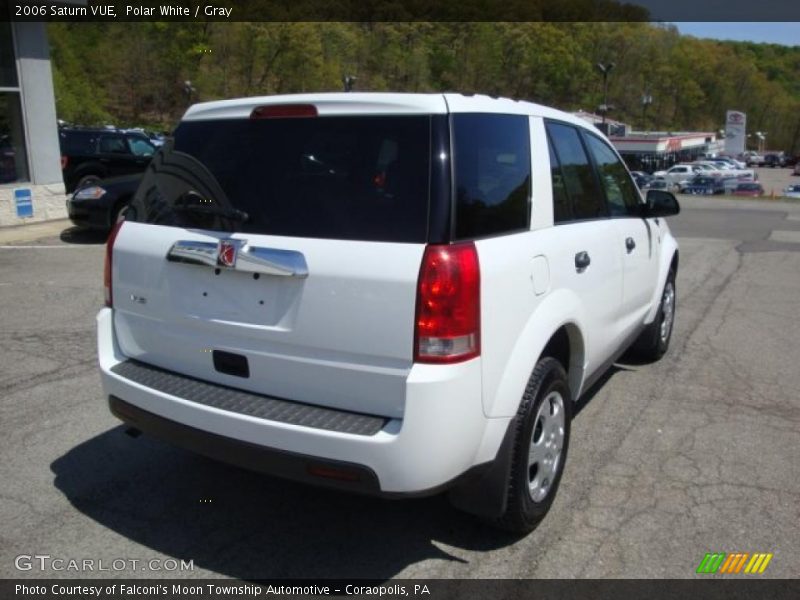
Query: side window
(492,161)
(579,178)
(141,147)
(561,212)
(621,194)
(113,144)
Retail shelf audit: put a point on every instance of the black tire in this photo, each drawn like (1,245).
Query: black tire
(653,342)
(547,383)
(86,181)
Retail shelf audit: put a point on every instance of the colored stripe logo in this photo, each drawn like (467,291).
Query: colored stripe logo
(734,563)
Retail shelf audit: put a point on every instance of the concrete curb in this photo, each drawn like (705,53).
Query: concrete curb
(33,231)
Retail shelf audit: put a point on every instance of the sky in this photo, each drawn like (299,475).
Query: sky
(787,33)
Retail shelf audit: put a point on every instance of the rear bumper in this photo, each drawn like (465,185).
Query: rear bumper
(443,433)
(290,465)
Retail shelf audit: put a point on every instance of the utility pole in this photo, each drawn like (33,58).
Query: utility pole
(605,69)
(349,81)
(647,100)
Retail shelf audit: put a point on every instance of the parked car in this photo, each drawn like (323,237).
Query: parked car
(90,155)
(730,183)
(657,183)
(157,139)
(736,164)
(360,291)
(704,185)
(775,160)
(793,191)
(102,205)
(752,158)
(677,173)
(641,178)
(748,189)
(725,170)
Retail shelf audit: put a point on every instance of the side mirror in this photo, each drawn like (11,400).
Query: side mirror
(661,204)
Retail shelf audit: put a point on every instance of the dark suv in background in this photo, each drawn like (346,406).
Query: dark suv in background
(90,155)
(775,160)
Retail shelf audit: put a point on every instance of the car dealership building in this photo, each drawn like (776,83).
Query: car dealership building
(655,150)
(31,184)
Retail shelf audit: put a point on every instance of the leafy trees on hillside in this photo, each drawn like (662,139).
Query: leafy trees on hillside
(135,73)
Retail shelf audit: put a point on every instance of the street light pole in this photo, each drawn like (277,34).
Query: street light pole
(349,81)
(647,100)
(605,69)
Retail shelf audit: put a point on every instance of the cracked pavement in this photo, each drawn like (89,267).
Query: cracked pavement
(694,454)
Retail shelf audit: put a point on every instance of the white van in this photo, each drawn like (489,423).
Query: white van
(394,294)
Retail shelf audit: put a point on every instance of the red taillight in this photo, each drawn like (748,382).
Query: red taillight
(448,324)
(64,162)
(284,111)
(109,257)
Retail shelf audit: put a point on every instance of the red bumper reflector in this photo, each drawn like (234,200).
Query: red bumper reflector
(333,473)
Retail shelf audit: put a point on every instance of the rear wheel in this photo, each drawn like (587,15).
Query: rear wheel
(540,447)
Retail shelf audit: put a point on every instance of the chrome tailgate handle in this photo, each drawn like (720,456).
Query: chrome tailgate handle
(272,261)
(238,255)
(194,253)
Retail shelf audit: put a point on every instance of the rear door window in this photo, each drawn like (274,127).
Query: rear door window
(580,181)
(359,178)
(113,144)
(492,159)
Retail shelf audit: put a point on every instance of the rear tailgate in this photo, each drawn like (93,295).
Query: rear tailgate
(340,337)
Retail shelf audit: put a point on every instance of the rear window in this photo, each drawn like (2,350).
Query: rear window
(357,178)
(76,143)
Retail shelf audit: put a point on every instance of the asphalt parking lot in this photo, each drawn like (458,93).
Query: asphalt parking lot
(697,453)
(775,180)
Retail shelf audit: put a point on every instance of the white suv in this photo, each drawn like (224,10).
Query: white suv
(396,294)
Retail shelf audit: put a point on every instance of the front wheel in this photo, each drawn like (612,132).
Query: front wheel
(87,181)
(653,342)
(540,447)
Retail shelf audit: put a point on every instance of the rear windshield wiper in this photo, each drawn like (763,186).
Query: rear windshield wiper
(234,214)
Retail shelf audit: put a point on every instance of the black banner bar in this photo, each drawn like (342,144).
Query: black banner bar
(402,10)
(734,588)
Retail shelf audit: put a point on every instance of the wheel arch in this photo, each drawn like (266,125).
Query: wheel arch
(121,201)
(668,263)
(563,340)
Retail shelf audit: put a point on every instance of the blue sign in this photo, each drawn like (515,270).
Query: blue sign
(24,202)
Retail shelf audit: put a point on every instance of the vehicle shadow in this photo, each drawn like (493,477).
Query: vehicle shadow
(598,385)
(251,526)
(79,235)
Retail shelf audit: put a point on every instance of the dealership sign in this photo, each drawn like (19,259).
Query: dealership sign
(23,201)
(735,132)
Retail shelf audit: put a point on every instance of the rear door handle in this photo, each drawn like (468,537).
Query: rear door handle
(582,260)
(630,244)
